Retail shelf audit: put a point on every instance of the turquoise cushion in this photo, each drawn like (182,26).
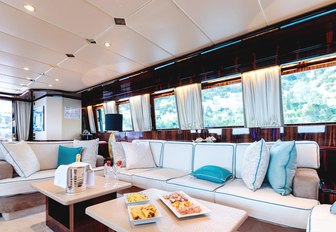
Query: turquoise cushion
(67,155)
(212,173)
(282,166)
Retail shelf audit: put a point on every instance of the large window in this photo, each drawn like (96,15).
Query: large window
(165,112)
(223,106)
(309,96)
(5,120)
(125,110)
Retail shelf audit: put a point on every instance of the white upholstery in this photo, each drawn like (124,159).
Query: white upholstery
(266,204)
(321,220)
(156,147)
(126,175)
(47,152)
(156,177)
(308,154)
(178,155)
(198,188)
(219,154)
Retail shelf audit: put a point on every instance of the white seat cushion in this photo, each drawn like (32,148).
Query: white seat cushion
(126,175)
(198,188)
(321,220)
(266,204)
(22,185)
(156,177)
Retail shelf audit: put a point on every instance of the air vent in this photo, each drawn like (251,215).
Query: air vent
(120,21)
(91,41)
(70,55)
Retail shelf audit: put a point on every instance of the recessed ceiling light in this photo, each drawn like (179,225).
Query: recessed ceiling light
(107,44)
(29,8)
(28,78)
(26,68)
(56,79)
(50,85)
(22,84)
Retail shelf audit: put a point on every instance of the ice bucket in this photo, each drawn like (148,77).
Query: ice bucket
(77,176)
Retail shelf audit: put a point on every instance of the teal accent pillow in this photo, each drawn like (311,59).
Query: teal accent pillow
(282,166)
(212,173)
(67,155)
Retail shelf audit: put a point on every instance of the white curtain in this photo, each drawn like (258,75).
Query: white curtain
(189,107)
(141,113)
(91,120)
(22,118)
(110,107)
(262,98)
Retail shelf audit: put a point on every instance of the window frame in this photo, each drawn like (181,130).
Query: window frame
(121,103)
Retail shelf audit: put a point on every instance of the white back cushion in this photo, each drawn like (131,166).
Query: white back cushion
(218,154)
(178,155)
(156,147)
(47,152)
(308,155)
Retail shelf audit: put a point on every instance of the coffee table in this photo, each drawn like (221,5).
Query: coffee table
(66,212)
(114,215)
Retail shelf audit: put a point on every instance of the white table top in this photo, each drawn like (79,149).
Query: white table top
(59,194)
(114,215)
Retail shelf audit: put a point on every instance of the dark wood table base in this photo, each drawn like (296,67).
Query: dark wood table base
(71,218)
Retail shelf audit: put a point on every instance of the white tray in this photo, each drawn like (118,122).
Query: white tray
(204,210)
(136,202)
(143,221)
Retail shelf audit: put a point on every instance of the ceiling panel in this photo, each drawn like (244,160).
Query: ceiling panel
(13,80)
(76,16)
(29,50)
(119,8)
(107,59)
(97,76)
(130,44)
(29,28)
(279,10)
(10,88)
(76,65)
(162,22)
(21,62)
(219,19)
(19,73)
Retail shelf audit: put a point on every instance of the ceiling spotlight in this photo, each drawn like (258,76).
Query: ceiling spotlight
(28,78)
(22,84)
(50,85)
(26,68)
(107,44)
(29,8)
(56,79)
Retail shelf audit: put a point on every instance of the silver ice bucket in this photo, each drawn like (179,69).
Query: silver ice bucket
(77,178)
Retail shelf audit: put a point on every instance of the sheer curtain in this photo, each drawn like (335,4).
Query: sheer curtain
(262,98)
(22,118)
(91,120)
(189,106)
(110,107)
(141,113)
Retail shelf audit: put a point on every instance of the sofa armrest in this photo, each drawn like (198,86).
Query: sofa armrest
(306,183)
(100,161)
(6,170)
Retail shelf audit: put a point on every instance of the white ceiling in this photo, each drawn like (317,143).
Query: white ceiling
(155,31)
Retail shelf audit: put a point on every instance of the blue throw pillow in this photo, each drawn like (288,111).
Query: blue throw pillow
(212,173)
(282,166)
(67,155)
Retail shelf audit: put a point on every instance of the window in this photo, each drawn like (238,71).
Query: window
(165,112)
(100,119)
(5,120)
(125,110)
(309,96)
(223,106)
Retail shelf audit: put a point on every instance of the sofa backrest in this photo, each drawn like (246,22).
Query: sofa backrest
(218,154)
(47,152)
(308,155)
(156,148)
(178,155)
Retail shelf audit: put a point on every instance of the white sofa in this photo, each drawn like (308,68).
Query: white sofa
(177,160)
(13,190)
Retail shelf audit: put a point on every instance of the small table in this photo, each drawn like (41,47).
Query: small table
(221,218)
(66,212)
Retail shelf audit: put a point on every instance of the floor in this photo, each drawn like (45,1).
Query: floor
(36,223)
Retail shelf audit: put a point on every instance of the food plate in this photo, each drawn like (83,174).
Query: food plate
(136,198)
(137,208)
(189,209)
